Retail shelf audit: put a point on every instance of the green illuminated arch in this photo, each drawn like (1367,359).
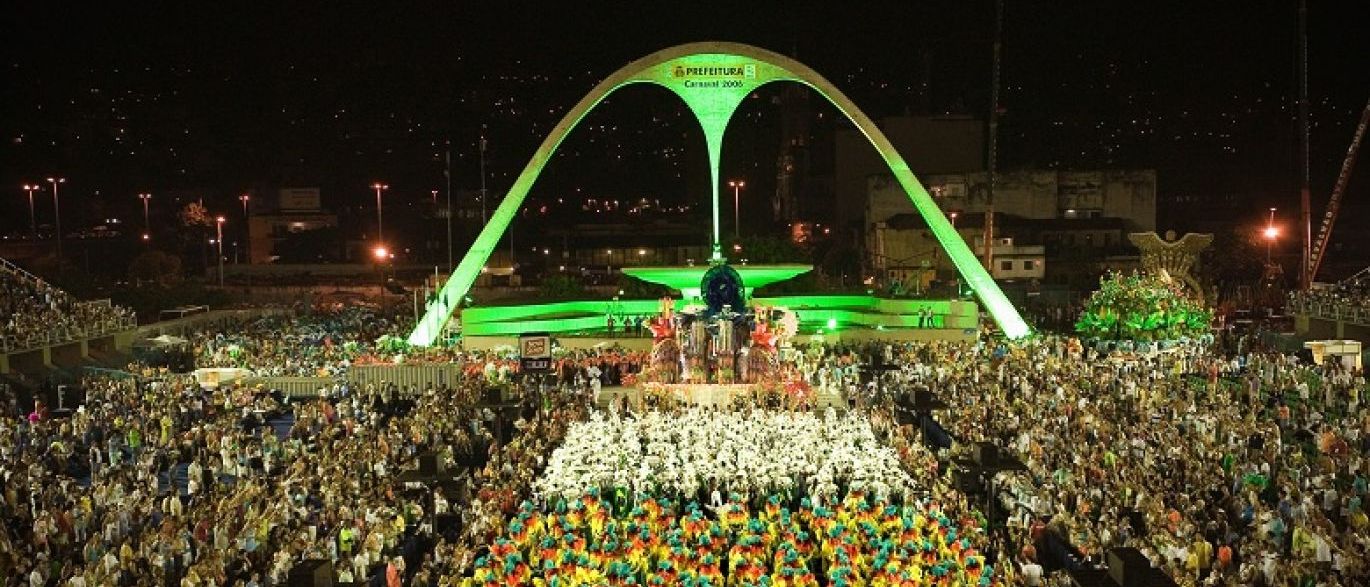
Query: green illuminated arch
(713,78)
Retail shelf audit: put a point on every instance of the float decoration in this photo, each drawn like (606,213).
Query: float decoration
(1142,307)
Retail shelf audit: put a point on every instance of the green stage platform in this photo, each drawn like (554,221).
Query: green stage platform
(816,313)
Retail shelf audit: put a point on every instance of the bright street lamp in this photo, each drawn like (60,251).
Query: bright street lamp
(380,224)
(1270,233)
(33,219)
(57,209)
(381,253)
(737,186)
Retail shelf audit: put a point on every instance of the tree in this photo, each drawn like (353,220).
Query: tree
(155,266)
(194,231)
(637,289)
(562,287)
(194,214)
(1234,259)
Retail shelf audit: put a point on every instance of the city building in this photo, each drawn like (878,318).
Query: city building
(295,210)
(601,247)
(902,249)
(931,145)
(1046,222)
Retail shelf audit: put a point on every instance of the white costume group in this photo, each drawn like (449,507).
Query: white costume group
(754,453)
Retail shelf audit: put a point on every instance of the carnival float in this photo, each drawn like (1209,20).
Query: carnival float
(1144,311)
(722,351)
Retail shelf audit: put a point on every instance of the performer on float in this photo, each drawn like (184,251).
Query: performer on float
(666,352)
(743,364)
(723,348)
(697,350)
(763,352)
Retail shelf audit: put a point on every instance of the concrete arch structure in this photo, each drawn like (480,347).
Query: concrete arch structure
(713,78)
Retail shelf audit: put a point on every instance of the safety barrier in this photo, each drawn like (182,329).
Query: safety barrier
(292,387)
(1346,312)
(405,376)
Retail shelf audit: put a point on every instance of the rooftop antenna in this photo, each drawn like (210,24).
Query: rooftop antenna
(1305,207)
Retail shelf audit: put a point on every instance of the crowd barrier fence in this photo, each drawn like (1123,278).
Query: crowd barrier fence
(405,376)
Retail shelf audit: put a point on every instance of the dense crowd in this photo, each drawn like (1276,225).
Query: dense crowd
(164,483)
(1352,294)
(1225,468)
(36,312)
(855,541)
(319,342)
(607,366)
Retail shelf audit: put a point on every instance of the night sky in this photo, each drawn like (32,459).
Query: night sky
(209,100)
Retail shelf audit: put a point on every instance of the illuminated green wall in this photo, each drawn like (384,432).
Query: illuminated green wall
(814,313)
(713,78)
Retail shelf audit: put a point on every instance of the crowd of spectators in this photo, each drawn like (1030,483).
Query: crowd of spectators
(316,342)
(1346,298)
(1224,468)
(164,483)
(34,312)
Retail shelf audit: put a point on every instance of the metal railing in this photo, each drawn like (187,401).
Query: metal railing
(17,270)
(62,334)
(1341,311)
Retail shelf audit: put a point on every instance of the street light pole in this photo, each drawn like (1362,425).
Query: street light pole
(57,209)
(381,255)
(33,218)
(447,175)
(247,232)
(219,227)
(380,223)
(483,219)
(147,224)
(737,186)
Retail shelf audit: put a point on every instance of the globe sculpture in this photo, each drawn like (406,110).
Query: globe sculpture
(722,290)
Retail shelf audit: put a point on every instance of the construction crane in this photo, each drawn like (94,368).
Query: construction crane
(1319,246)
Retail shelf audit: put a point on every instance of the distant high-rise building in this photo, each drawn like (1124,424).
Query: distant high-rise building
(1041,215)
(293,211)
